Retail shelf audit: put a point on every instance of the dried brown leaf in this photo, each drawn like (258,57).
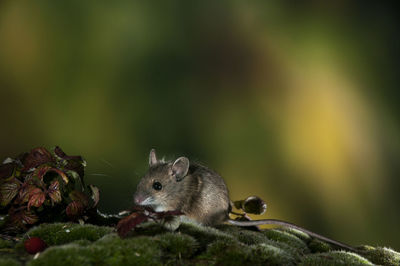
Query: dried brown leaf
(128,223)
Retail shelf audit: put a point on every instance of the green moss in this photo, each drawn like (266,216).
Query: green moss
(335,258)
(151,244)
(272,255)
(250,247)
(8,253)
(5,243)
(249,237)
(149,229)
(318,246)
(288,238)
(381,255)
(9,262)
(244,235)
(110,250)
(303,236)
(131,251)
(62,233)
(108,238)
(178,245)
(68,255)
(82,242)
(230,252)
(203,234)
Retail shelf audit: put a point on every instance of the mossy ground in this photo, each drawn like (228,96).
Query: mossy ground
(151,244)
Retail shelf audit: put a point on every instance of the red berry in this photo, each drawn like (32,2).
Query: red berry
(34,245)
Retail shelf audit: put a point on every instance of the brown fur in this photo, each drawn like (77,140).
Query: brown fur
(201,195)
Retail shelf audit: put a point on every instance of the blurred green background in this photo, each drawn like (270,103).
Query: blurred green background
(296,102)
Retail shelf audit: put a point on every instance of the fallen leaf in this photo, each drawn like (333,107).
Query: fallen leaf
(128,223)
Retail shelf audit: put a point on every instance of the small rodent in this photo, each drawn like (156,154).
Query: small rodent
(198,192)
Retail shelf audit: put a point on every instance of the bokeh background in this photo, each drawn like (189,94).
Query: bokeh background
(294,101)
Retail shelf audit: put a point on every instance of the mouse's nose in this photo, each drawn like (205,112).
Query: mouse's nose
(138,199)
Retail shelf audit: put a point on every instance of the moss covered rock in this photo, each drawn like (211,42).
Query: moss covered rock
(62,233)
(335,258)
(9,262)
(151,244)
(5,243)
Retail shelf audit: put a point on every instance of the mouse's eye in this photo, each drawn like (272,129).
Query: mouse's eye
(157,185)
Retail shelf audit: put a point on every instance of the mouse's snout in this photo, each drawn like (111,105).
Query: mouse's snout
(138,199)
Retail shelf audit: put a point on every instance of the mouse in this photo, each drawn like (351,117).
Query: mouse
(199,193)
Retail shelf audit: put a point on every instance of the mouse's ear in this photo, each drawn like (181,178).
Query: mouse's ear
(152,157)
(180,168)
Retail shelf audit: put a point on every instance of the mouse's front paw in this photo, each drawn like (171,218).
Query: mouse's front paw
(171,222)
